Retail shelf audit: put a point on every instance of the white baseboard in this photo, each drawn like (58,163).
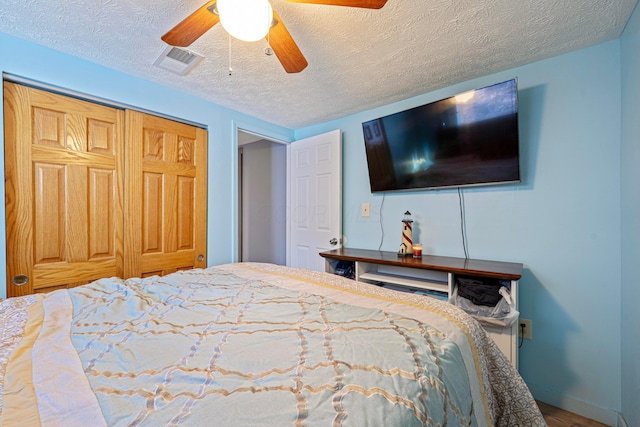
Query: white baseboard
(606,416)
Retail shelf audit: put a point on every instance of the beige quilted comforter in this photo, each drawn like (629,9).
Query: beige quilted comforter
(250,344)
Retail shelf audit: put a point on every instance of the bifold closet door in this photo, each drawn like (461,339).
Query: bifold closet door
(64,186)
(166,195)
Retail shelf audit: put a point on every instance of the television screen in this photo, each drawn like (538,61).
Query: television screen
(468,139)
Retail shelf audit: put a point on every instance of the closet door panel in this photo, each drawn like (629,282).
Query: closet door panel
(77,214)
(152,224)
(50,233)
(186,215)
(102,222)
(64,182)
(48,127)
(166,166)
(101,137)
(170,213)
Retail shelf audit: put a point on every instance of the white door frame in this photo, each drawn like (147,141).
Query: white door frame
(235,221)
(280,138)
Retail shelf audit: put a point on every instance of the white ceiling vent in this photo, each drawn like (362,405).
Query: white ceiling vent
(177,60)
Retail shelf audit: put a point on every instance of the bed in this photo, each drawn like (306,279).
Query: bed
(250,344)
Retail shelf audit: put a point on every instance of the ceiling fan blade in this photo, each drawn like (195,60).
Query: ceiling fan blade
(285,48)
(367,4)
(192,27)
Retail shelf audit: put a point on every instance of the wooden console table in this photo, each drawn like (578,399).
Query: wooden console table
(431,274)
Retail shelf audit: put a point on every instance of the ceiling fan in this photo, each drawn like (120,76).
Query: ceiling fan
(280,41)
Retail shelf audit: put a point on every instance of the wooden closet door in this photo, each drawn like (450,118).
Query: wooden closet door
(166,196)
(64,182)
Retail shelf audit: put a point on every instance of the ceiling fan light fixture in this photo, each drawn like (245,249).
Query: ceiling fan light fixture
(246,20)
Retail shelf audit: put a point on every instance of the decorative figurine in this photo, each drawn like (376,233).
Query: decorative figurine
(406,247)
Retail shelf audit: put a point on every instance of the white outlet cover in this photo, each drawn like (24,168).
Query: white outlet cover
(366,210)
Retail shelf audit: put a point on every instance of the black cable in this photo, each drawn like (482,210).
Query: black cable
(462,224)
(381,226)
(521,335)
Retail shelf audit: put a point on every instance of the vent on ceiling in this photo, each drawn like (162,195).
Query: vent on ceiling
(176,60)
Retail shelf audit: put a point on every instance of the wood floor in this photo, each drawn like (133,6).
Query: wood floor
(558,418)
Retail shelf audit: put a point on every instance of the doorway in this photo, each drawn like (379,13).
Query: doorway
(262,183)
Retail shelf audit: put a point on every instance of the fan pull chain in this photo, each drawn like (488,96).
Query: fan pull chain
(267,50)
(230,69)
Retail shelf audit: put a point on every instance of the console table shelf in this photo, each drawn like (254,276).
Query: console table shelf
(431,273)
(405,281)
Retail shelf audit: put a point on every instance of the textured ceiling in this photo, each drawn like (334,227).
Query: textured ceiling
(358,59)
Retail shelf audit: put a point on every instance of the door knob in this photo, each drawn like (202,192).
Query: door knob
(200,258)
(333,241)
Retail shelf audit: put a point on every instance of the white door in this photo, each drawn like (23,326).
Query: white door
(315,180)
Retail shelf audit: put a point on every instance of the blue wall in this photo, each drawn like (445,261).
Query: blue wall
(568,222)
(630,319)
(27,60)
(563,222)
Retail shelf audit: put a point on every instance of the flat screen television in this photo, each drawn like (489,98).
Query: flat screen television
(468,139)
